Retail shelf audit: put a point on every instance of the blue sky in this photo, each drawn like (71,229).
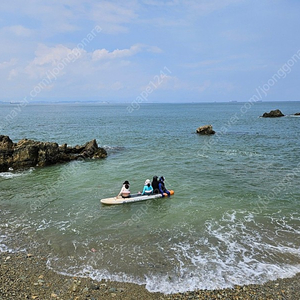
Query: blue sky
(166,51)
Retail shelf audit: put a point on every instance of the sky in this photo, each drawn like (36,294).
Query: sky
(149,50)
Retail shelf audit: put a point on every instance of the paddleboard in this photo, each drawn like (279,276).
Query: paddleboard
(133,198)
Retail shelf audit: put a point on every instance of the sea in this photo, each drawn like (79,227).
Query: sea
(234,218)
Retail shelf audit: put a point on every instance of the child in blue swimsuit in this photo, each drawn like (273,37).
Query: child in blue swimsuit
(148,190)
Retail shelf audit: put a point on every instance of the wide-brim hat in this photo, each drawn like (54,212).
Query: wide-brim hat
(147,181)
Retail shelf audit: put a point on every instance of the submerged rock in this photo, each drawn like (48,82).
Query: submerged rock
(206,129)
(28,153)
(273,114)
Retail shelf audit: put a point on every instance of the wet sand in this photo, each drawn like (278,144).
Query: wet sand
(25,276)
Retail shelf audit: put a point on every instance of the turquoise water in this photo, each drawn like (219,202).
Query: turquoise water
(234,218)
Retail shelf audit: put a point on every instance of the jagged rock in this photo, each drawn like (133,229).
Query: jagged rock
(90,148)
(273,114)
(206,129)
(28,153)
(6,151)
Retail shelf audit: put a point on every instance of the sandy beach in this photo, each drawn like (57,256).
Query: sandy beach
(26,276)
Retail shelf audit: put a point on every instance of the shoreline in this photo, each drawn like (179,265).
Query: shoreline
(26,276)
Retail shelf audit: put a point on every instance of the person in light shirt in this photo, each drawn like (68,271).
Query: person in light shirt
(125,191)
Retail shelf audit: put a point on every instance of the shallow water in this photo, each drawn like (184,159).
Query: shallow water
(234,218)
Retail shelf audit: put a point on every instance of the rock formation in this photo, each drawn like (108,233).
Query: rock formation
(297,114)
(273,114)
(28,153)
(205,130)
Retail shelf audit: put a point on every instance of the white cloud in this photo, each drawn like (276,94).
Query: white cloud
(203,86)
(201,64)
(50,55)
(191,7)
(101,69)
(17,30)
(154,49)
(117,86)
(161,3)
(113,17)
(48,58)
(12,74)
(7,64)
(103,54)
(53,17)
(202,40)
(203,7)
(7,70)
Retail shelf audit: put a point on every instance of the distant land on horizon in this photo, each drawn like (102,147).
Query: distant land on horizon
(41,102)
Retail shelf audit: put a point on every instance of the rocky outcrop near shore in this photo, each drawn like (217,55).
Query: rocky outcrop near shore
(205,130)
(28,153)
(273,114)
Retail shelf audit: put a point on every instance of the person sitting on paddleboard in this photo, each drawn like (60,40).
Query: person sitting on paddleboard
(162,188)
(155,185)
(148,190)
(125,192)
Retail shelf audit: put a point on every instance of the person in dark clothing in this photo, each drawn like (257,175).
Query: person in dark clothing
(162,188)
(155,185)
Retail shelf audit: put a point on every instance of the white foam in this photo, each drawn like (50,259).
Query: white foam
(293,116)
(240,257)
(95,274)
(219,277)
(209,280)
(12,174)
(234,249)
(202,272)
(3,246)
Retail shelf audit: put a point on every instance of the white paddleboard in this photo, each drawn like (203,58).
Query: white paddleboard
(133,198)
